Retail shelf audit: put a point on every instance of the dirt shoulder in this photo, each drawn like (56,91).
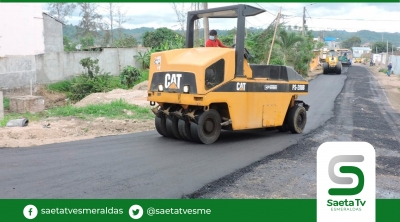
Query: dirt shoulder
(390,84)
(66,129)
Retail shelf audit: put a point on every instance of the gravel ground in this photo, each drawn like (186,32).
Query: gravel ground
(361,113)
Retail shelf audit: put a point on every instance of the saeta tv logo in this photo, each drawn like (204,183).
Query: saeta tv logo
(346,181)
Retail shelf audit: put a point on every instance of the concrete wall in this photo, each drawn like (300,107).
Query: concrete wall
(16,71)
(53,35)
(395,60)
(52,67)
(21,29)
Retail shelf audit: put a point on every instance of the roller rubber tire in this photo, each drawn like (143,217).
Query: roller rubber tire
(208,129)
(339,68)
(325,68)
(169,126)
(184,130)
(297,119)
(161,125)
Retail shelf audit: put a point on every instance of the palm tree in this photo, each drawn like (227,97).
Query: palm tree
(287,41)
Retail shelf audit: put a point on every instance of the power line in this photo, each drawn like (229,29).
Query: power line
(348,19)
(265,9)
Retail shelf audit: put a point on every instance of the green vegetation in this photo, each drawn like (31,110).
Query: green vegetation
(117,109)
(384,70)
(144,76)
(129,76)
(156,38)
(380,47)
(364,35)
(114,110)
(62,86)
(94,80)
(29,116)
(6,103)
(353,41)
(126,41)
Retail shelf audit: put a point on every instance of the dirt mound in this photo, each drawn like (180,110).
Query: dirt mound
(51,99)
(141,86)
(136,97)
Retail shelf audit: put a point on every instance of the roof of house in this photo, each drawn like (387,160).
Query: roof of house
(54,18)
(361,48)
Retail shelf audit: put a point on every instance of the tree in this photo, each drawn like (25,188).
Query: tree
(87,41)
(379,47)
(304,54)
(287,41)
(155,38)
(61,10)
(69,45)
(353,41)
(121,19)
(127,41)
(259,44)
(91,20)
(105,29)
(181,14)
(111,11)
(228,38)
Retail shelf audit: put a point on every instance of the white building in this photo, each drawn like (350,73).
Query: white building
(358,51)
(21,29)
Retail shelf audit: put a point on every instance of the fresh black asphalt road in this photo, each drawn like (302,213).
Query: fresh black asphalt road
(146,165)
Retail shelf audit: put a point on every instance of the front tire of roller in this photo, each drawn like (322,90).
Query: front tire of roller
(184,130)
(161,126)
(297,119)
(339,68)
(325,68)
(208,129)
(169,125)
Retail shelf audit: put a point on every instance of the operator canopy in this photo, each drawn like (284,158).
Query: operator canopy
(227,12)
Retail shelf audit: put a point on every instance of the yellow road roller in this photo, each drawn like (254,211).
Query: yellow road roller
(198,91)
(332,63)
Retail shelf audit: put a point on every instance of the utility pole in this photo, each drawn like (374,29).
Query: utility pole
(273,39)
(205,24)
(304,19)
(387,50)
(196,25)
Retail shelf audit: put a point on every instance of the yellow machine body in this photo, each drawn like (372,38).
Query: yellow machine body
(249,102)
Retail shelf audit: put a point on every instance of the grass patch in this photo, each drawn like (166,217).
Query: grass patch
(383,70)
(113,110)
(144,76)
(62,86)
(29,116)
(6,103)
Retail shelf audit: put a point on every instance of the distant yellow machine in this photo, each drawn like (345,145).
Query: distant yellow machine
(332,63)
(200,91)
